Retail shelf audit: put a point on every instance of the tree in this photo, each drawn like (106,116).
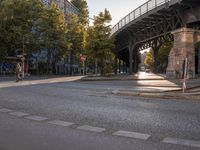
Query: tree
(78,26)
(162,57)
(75,36)
(99,42)
(29,26)
(83,11)
(18,25)
(149,60)
(53,35)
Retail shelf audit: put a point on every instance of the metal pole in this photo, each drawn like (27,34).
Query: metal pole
(83,67)
(185,75)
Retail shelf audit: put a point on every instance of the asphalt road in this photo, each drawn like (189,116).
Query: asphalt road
(149,123)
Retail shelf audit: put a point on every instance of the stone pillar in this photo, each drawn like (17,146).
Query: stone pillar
(198,60)
(135,63)
(184,42)
(170,71)
(115,65)
(119,66)
(130,61)
(123,66)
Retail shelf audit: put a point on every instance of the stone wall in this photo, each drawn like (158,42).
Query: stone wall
(184,47)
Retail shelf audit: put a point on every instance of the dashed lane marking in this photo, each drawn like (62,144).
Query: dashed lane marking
(61,123)
(135,135)
(91,128)
(5,110)
(18,114)
(183,142)
(36,118)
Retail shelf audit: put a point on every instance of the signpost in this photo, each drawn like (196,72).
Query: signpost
(185,70)
(83,59)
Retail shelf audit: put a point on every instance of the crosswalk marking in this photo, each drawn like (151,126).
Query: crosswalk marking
(132,134)
(36,118)
(18,114)
(5,110)
(61,123)
(91,128)
(184,142)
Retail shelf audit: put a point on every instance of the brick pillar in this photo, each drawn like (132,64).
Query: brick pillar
(184,41)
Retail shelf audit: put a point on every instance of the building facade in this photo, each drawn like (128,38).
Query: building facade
(64,5)
(69,65)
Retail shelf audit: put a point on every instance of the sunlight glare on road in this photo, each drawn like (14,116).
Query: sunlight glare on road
(39,81)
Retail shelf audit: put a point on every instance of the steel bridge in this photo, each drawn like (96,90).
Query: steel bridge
(150,25)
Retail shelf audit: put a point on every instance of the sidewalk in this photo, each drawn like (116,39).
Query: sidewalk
(173,86)
(149,85)
(34,80)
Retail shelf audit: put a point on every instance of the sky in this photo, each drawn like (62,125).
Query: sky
(117,8)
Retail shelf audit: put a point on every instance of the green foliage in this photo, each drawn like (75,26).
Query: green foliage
(75,34)
(54,34)
(162,58)
(83,11)
(99,43)
(30,26)
(17,22)
(149,60)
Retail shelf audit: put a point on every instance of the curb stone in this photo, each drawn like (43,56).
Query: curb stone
(161,95)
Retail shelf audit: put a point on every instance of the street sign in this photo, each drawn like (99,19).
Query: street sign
(82,58)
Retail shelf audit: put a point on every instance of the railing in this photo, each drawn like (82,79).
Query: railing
(146,7)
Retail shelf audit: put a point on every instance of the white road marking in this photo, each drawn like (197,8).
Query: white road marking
(61,123)
(5,110)
(36,118)
(184,142)
(90,128)
(132,134)
(19,114)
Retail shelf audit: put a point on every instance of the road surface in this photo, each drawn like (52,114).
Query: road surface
(77,115)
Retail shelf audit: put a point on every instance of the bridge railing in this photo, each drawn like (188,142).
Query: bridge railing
(146,7)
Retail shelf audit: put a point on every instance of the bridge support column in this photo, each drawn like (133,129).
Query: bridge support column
(124,67)
(130,60)
(156,46)
(135,63)
(184,47)
(115,68)
(119,66)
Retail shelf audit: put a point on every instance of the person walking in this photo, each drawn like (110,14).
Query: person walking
(18,71)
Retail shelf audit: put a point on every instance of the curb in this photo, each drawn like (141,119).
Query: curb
(116,79)
(179,96)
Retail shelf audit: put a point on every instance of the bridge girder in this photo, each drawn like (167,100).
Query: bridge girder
(158,24)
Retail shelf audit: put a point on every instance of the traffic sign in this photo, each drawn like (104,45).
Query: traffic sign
(82,58)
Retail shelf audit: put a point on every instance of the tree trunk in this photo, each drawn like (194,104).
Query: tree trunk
(71,63)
